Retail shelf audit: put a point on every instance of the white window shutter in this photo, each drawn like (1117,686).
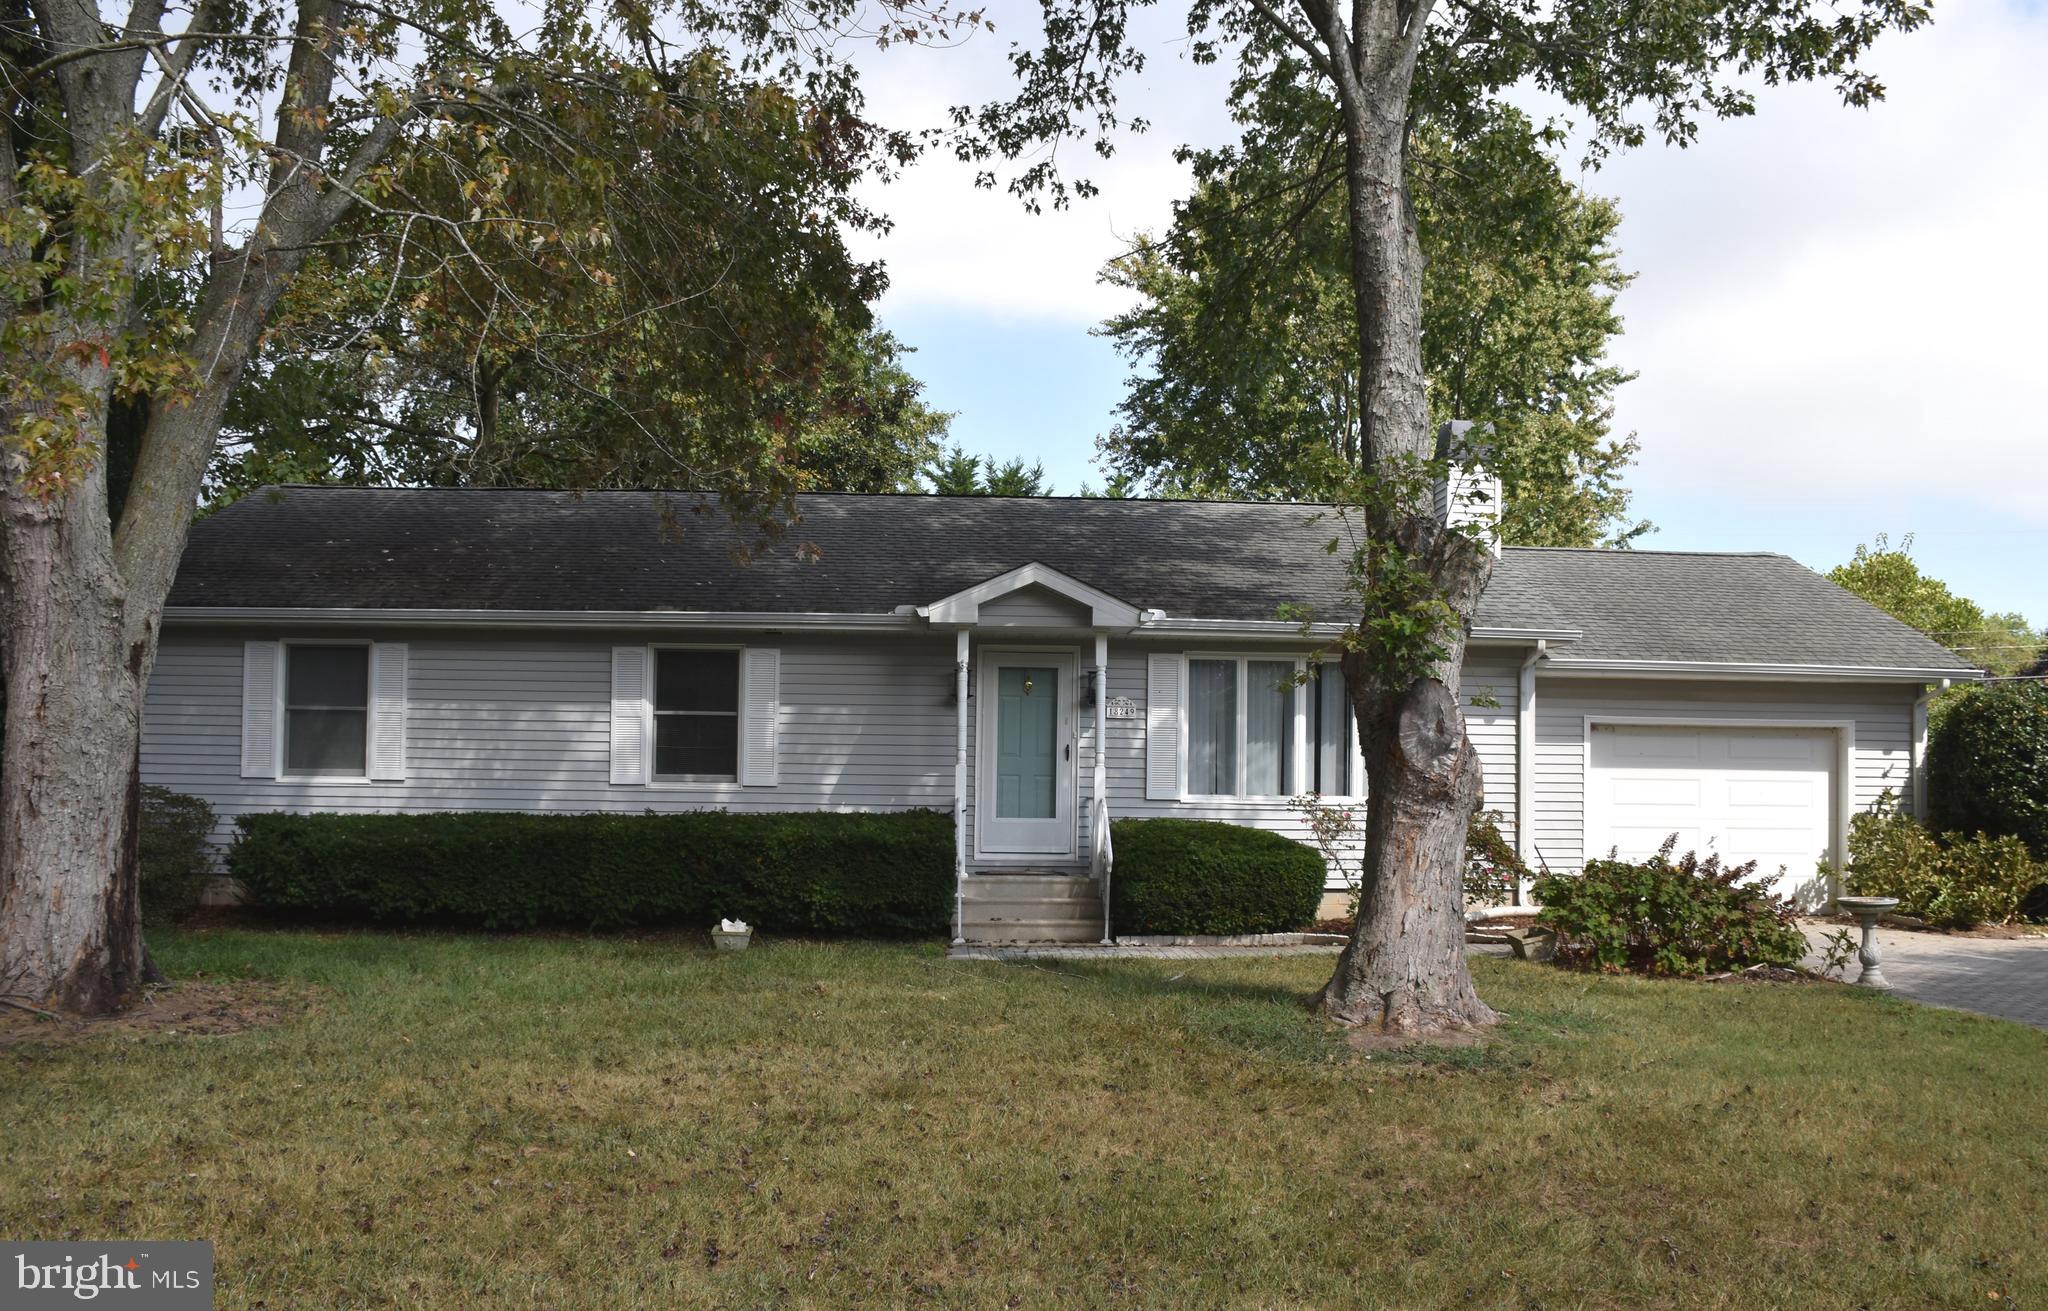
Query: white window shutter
(1164,676)
(387,711)
(262,670)
(760,709)
(631,691)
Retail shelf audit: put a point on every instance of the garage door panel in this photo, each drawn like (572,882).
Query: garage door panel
(1655,791)
(1638,841)
(1642,750)
(1743,793)
(1778,747)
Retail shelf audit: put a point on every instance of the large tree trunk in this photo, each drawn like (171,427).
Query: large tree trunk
(1404,970)
(70,932)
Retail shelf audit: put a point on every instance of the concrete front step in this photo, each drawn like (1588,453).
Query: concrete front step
(1027,931)
(1033,907)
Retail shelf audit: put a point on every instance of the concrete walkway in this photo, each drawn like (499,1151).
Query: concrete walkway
(2006,977)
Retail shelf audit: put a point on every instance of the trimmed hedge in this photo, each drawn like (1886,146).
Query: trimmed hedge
(885,875)
(1987,764)
(172,851)
(1187,876)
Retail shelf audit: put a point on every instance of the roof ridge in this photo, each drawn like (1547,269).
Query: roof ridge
(1633,551)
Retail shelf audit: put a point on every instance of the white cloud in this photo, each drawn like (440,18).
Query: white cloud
(958,247)
(1836,302)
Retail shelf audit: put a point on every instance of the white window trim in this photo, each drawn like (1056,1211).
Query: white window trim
(284,714)
(694,782)
(1296,738)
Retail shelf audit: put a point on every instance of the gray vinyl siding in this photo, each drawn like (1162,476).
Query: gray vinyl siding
(1497,675)
(512,722)
(1034,607)
(1881,759)
(517,721)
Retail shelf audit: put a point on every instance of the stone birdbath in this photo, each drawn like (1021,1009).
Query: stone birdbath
(1868,911)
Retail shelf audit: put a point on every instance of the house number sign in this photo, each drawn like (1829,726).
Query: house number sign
(1122,707)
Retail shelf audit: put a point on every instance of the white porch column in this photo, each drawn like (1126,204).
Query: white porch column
(960,788)
(1525,768)
(1100,813)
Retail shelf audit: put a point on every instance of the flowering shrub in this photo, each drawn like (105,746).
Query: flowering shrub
(1666,916)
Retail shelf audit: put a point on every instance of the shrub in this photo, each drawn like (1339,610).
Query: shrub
(1199,876)
(173,853)
(1987,764)
(885,874)
(1493,868)
(1660,916)
(1953,880)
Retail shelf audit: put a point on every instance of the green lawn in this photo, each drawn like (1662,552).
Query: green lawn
(480,1122)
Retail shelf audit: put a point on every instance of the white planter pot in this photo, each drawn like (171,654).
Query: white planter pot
(731,941)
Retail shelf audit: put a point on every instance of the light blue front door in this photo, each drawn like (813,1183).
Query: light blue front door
(1027,755)
(1027,722)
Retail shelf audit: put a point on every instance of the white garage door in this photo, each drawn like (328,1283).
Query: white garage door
(1762,794)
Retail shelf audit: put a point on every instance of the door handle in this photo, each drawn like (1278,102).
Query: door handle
(1069,749)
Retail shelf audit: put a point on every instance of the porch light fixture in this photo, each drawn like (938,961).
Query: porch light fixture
(1088,689)
(953,684)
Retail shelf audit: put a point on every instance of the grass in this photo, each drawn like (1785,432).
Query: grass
(508,1122)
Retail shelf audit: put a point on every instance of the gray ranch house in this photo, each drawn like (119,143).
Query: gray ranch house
(1035,666)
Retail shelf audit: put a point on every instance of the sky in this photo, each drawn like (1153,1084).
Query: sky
(1837,316)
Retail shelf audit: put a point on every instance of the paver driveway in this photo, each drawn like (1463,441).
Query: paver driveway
(1992,976)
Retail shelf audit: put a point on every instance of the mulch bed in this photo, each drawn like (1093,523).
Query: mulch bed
(194,1008)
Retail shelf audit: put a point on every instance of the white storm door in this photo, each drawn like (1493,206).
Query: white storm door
(1761,794)
(1025,784)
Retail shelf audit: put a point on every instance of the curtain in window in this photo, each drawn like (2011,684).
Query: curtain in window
(1212,727)
(1269,728)
(1332,733)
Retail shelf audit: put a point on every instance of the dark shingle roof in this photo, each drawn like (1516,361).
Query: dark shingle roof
(477,549)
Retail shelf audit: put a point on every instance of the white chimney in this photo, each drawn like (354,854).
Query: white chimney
(1468,494)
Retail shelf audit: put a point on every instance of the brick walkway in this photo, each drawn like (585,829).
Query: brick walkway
(1992,976)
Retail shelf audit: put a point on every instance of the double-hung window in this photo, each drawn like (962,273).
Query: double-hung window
(697,715)
(1261,727)
(326,710)
(1241,726)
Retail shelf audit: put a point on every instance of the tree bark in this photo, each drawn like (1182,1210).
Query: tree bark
(1404,969)
(70,928)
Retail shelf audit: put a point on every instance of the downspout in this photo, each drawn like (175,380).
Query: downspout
(960,788)
(1525,764)
(1919,797)
(1101,811)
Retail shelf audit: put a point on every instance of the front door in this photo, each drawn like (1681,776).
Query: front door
(1026,779)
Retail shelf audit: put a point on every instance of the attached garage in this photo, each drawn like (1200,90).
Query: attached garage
(1768,794)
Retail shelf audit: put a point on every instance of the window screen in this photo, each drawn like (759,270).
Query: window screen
(327,716)
(697,714)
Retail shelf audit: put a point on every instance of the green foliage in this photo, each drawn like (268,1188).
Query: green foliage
(887,874)
(1955,880)
(1891,580)
(1493,868)
(953,472)
(173,853)
(1244,346)
(1200,876)
(1987,763)
(1663,916)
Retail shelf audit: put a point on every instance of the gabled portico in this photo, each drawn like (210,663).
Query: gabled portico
(1031,661)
